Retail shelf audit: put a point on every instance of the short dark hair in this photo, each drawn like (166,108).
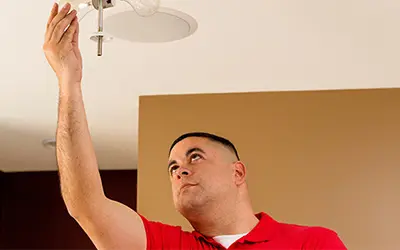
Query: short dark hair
(209,136)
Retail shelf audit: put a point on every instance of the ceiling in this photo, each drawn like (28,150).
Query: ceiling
(239,46)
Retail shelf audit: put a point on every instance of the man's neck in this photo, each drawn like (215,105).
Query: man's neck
(236,220)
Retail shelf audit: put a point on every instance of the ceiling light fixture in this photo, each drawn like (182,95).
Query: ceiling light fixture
(143,8)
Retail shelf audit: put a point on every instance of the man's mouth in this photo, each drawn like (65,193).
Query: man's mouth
(187,186)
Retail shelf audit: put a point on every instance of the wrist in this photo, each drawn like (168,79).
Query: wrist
(69,87)
(68,78)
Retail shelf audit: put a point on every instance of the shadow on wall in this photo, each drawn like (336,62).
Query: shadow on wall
(21,149)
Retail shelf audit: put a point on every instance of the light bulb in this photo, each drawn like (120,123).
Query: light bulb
(83,5)
(75,4)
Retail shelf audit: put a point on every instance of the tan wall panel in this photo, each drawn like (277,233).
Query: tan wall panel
(329,158)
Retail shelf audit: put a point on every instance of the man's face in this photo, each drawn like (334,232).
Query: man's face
(201,171)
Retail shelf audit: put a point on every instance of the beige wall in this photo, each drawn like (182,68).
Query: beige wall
(329,158)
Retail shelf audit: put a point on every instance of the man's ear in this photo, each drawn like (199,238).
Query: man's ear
(240,172)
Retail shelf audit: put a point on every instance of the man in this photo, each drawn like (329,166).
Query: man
(208,179)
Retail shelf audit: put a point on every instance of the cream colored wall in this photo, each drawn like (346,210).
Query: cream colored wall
(328,158)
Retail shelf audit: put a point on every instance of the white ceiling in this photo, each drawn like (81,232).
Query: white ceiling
(239,46)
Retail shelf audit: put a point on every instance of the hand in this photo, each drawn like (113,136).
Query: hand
(61,45)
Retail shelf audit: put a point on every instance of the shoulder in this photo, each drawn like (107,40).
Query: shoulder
(313,237)
(322,238)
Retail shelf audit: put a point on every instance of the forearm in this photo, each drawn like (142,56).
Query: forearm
(80,181)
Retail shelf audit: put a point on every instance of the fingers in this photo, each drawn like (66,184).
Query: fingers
(75,39)
(71,32)
(53,13)
(62,26)
(55,19)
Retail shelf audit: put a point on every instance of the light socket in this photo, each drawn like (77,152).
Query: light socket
(106,3)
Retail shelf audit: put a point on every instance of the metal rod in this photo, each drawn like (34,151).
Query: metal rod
(100,29)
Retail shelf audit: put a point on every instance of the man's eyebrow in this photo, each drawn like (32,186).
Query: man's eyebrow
(191,150)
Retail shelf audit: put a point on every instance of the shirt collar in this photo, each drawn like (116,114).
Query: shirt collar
(263,231)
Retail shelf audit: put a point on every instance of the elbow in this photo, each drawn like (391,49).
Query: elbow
(74,211)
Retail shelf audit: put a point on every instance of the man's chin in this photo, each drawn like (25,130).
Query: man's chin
(191,206)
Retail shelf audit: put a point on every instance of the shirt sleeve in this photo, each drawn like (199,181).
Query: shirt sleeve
(319,238)
(163,236)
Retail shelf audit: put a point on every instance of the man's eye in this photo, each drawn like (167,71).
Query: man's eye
(173,169)
(195,157)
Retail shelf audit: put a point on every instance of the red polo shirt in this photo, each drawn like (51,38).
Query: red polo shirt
(268,234)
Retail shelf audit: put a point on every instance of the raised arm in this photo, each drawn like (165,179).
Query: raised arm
(109,224)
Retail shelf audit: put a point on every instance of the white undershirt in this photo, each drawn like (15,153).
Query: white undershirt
(228,240)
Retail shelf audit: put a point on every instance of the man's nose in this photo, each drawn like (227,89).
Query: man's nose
(183,172)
